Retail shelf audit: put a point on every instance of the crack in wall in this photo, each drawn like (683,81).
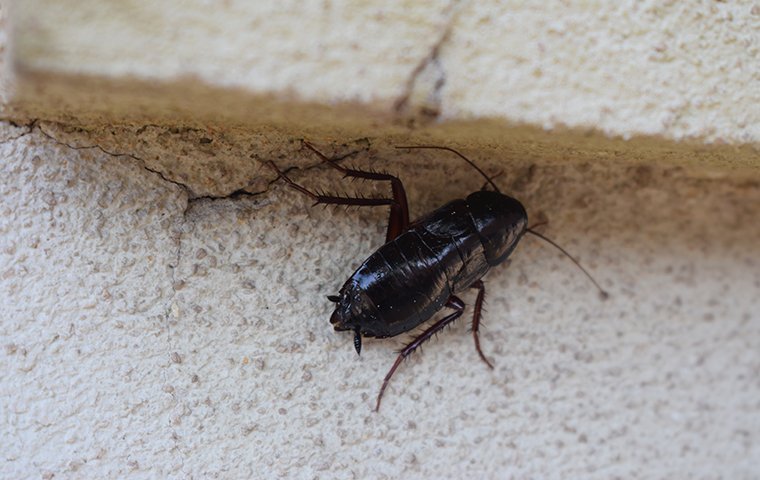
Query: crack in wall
(115,154)
(29,126)
(431,107)
(242,192)
(185,189)
(239,193)
(181,225)
(171,308)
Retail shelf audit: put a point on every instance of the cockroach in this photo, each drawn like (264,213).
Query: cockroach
(424,264)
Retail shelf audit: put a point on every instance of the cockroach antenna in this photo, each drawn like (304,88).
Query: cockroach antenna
(602,292)
(472,164)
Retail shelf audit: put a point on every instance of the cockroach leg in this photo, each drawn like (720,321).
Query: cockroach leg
(329,199)
(454,303)
(476,318)
(399,216)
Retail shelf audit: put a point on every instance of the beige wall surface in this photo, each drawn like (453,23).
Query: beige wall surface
(162,296)
(675,69)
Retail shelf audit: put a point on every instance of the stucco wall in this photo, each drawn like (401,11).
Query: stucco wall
(163,300)
(675,69)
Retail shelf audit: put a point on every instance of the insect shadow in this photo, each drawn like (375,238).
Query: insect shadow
(424,264)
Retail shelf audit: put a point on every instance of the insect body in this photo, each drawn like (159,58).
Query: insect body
(412,277)
(423,265)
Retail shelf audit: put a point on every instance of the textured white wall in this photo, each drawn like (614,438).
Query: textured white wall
(676,69)
(149,334)
(155,324)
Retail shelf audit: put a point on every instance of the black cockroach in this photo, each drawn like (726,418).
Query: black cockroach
(426,263)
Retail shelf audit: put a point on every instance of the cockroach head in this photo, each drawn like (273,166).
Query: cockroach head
(336,319)
(340,318)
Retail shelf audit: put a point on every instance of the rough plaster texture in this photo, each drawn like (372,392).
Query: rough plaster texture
(674,69)
(150,334)
(678,69)
(162,302)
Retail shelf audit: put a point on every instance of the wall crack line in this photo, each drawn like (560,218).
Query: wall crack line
(29,126)
(401,105)
(184,187)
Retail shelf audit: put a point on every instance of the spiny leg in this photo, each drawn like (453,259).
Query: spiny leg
(399,216)
(453,302)
(329,199)
(476,318)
